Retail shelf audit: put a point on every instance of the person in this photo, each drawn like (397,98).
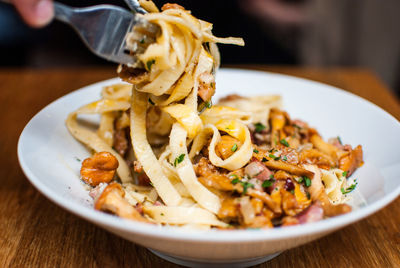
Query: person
(36,13)
(337,33)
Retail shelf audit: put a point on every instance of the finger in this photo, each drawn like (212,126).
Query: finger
(36,13)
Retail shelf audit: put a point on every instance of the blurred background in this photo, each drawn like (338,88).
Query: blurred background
(320,33)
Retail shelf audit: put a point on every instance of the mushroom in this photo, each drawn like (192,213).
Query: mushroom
(351,161)
(278,119)
(112,200)
(99,168)
(227,146)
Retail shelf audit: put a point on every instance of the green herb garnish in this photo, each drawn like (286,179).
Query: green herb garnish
(340,140)
(307,181)
(234,148)
(259,127)
(274,157)
(142,40)
(151,102)
(149,64)
(284,142)
(179,159)
(77,159)
(162,214)
(256,151)
(208,104)
(267,183)
(246,185)
(233,176)
(235,180)
(344,174)
(349,189)
(264,159)
(284,158)
(308,195)
(292,191)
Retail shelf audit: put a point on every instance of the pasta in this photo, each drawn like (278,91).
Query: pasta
(242,163)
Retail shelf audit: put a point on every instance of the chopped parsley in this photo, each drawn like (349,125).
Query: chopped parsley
(259,127)
(77,159)
(308,195)
(235,181)
(149,64)
(340,140)
(284,158)
(233,176)
(264,159)
(162,214)
(256,151)
(292,191)
(234,148)
(274,157)
(208,104)
(268,183)
(245,184)
(307,181)
(349,189)
(284,142)
(151,102)
(344,174)
(142,40)
(179,159)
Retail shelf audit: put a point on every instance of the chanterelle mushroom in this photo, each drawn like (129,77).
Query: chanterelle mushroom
(112,200)
(99,168)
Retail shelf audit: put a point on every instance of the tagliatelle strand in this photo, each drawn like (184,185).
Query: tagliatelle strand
(145,154)
(186,173)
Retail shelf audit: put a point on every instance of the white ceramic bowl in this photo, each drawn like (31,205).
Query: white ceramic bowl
(48,156)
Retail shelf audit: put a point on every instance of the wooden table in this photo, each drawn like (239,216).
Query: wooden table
(35,232)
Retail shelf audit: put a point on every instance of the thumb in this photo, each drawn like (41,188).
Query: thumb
(36,13)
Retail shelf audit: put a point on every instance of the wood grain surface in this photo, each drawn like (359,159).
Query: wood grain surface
(36,233)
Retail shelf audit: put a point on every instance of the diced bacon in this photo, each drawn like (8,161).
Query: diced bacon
(312,214)
(258,170)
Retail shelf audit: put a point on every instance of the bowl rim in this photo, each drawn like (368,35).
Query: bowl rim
(218,236)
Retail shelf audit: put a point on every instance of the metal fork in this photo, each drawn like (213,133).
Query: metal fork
(103,28)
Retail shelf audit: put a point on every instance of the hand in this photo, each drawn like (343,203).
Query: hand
(36,13)
(277,11)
